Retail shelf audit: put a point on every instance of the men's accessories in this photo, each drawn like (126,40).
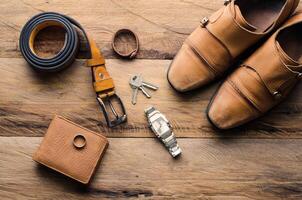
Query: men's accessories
(125,43)
(104,88)
(137,83)
(163,130)
(65,57)
(219,40)
(262,81)
(103,83)
(71,149)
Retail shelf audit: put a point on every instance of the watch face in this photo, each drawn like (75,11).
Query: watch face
(160,126)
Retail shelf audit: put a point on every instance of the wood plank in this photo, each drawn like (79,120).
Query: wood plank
(161,26)
(208,169)
(28,101)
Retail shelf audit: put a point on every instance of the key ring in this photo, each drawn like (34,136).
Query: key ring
(125,43)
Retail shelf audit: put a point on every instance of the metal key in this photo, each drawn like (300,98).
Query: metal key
(149,85)
(142,88)
(134,95)
(136,82)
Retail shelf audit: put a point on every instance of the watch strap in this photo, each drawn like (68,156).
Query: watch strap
(163,130)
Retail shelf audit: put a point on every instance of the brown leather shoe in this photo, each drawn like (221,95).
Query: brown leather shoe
(214,46)
(263,81)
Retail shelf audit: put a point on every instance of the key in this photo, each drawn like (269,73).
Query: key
(135,84)
(149,85)
(134,95)
(142,88)
(135,81)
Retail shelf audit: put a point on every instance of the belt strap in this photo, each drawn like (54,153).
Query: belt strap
(65,57)
(104,86)
(102,82)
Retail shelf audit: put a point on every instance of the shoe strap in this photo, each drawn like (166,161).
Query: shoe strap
(235,33)
(274,68)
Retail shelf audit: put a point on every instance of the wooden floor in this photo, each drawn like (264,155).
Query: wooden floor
(262,160)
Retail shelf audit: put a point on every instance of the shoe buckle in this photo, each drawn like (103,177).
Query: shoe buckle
(299,76)
(277,95)
(118,119)
(226,2)
(204,22)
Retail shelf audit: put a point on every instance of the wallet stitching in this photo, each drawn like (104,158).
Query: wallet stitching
(101,136)
(73,177)
(58,170)
(101,150)
(39,148)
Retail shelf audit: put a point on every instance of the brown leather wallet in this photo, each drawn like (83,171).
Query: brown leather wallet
(71,149)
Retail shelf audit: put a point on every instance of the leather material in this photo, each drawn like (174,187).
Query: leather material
(102,82)
(262,81)
(60,149)
(65,57)
(104,87)
(129,39)
(214,46)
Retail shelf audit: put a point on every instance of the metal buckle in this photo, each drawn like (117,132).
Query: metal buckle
(204,22)
(119,119)
(277,95)
(226,2)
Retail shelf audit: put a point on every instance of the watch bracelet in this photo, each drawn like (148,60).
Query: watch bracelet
(171,143)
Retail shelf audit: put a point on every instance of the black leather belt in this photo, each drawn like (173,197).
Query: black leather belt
(68,53)
(102,82)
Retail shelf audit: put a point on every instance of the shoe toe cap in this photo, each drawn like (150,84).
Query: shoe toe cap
(187,72)
(228,109)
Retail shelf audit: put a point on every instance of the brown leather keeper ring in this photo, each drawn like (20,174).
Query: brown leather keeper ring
(125,43)
(79,141)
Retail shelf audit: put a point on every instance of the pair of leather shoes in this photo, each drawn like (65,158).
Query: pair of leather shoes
(260,82)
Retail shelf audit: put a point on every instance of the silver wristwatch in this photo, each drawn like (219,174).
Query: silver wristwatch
(163,130)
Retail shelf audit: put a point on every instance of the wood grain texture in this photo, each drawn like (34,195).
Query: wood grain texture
(162,26)
(29,101)
(208,169)
(261,160)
